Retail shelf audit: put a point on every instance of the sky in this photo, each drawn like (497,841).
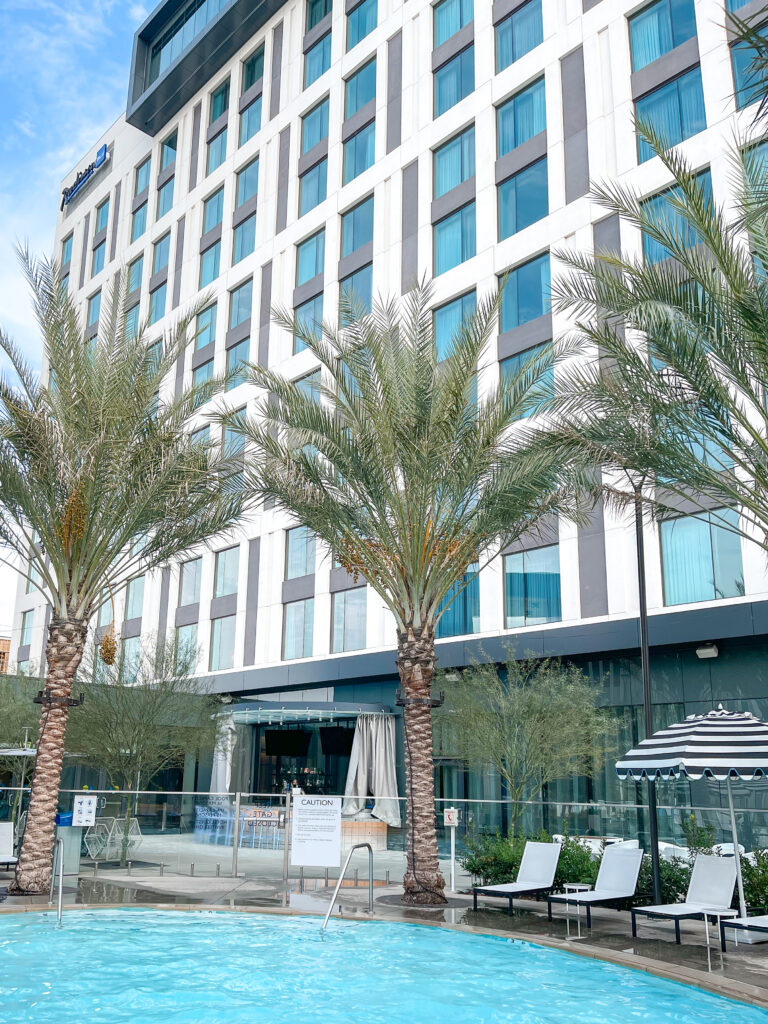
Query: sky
(64,68)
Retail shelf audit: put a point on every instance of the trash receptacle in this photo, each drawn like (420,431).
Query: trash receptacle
(71,836)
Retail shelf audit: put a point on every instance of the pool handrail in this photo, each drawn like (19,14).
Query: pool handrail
(357,846)
(58,848)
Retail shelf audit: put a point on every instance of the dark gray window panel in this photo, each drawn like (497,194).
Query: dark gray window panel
(132,298)
(98,238)
(252,602)
(453,200)
(210,238)
(459,41)
(92,331)
(221,606)
(409,267)
(299,589)
(203,354)
(162,619)
(250,95)
(265,303)
(606,233)
(575,125)
(166,174)
(139,199)
(277,61)
(178,384)
(670,65)
(244,212)
(178,262)
(313,156)
(186,614)
(151,108)
(681,505)
(23,652)
(587,5)
(521,156)
(593,582)
(545,533)
(193,157)
(503,8)
(159,278)
(115,219)
(576,151)
(359,120)
(350,5)
(130,628)
(521,338)
(84,254)
(356,260)
(217,126)
(746,13)
(342,580)
(283,171)
(394,91)
(315,34)
(304,292)
(239,333)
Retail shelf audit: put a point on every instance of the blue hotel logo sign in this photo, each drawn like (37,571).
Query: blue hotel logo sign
(83,177)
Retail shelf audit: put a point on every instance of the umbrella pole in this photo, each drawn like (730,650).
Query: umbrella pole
(736,852)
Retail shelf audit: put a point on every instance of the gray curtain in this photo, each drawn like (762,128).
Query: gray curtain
(221,772)
(372,770)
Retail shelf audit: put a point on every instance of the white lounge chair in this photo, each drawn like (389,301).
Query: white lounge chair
(536,874)
(744,925)
(6,844)
(616,881)
(711,888)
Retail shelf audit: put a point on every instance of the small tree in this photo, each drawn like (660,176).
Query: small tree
(141,718)
(534,722)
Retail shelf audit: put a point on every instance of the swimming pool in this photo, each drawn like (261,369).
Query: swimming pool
(172,967)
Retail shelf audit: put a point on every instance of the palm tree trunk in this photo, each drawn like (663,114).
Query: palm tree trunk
(423,883)
(64,652)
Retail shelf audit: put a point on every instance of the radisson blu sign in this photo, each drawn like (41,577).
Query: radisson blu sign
(84,176)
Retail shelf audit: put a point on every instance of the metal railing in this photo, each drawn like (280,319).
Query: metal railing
(357,846)
(58,850)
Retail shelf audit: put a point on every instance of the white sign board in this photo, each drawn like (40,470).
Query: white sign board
(84,810)
(450,816)
(316,831)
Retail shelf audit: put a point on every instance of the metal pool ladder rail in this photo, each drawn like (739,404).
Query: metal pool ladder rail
(357,846)
(58,849)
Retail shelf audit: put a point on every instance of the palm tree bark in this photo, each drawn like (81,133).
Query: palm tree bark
(423,882)
(64,652)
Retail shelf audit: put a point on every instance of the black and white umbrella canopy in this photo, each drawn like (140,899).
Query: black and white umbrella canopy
(719,745)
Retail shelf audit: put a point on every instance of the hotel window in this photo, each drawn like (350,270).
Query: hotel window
(168,150)
(213,210)
(454,162)
(667,217)
(356,294)
(209,264)
(675,111)
(310,258)
(132,322)
(309,385)
(316,11)
(523,199)
(313,187)
(359,152)
(545,376)
(253,69)
(135,274)
(217,151)
(746,77)
(526,293)
(94,308)
(141,179)
(165,199)
(450,16)
(225,573)
(201,375)
(130,657)
(348,620)
(240,303)
(361,21)
(454,80)
(298,623)
(186,648)
(454,239)
(139,222)
(462,614)
(222,643)
(247,182)
(217,147)
(161,254)
(205,328)
(360,89)
(97,259)
(27,623)
(65,284)
(701,559)
(66,250)
(237,357)
(299,552)
(310,315)
(518,34)
(102,216)
(659,28)
(219,102)
(314,126)
(157,303)
(201,436)
(244,239)
(448,319)
(522,117)
(234,448)
(357,227)
(532,587)
(250,120)
(317,60)
(134,598)
(189,581)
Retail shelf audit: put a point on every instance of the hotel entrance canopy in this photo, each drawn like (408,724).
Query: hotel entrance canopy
(265,712)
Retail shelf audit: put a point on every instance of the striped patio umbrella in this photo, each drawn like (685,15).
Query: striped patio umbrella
(721,745)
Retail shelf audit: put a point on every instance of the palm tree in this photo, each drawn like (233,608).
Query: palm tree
(390,458)
(99,480)
(749,38)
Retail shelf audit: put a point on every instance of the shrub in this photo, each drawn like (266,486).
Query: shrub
(755,877)
(674,876)
(698,838)
(495,859)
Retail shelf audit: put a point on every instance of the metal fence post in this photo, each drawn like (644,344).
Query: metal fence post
(286,844)
(236,835)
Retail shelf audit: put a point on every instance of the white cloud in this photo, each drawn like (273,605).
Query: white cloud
(137,13)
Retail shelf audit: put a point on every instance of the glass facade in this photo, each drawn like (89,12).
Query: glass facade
(240,304)
(310,257)
(532,587)
(213,210)
(357,227)
(314,126)
(165,199)
(168,150)
(298,627)
(447,320)
(200,376)
(450,16)
(134,598)
(157,300)
(317,60)
(189,581)
(312,187)
(659,28)
(222,654)
(66,250)
(186,647)
(310,315)
(135,274)
(521,117)
(217,152)
(247,182)
(701,558)
(161,253)
(210,261)
(250,121)
(668,218)
(299,552)
(360,89)
(97,259)
(526,362)
(525,294)
(361,21)
(132,322)
(357,294)
(454,239)
(454,80)
(523,199)
(359,152)
(461,608)
(518,34)
(27,624)
(746,79)
(244,239)
(102,216)
(141,180)
(675,111)
(192,19)
(139,222)
(348,620)
(253,69)
(316,11)
(225,573)
(205,328)
(94,309)
(237,357)
(454,162)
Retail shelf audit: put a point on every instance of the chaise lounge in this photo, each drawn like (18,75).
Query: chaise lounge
(616,882)
(536,874)
(6,844)
(711,888)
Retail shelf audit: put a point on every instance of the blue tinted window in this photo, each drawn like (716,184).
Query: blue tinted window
(165,199)
(316,11)
(205,329)
(659,28)
(523,199)
(454,80)
(132,322)
(357,294)
(97,260)
(244,239)
(747,80)
(519,33)
(701,560)
(201,375)
(142,177)
(521,117)
(455,162)
(240,303)
(348,620)
(157,303)
(454,239)
(184,28)
(448,319)
(525,362)
(94,308)
(675,111)
(532,587)
(297,629)
(219,103)
(314,126)
(667,217)
(66,250)
(310,316)
(222,654)
(450,16)
(526,293)
(135,273)
(462,609)
(359,152)
(310,258)
(237,356)
(357,227)
(317,60)
(250,121)
(162,253)
(253,69)
(247,182)
(217,151)
(168,151)
(360,88)
(102,216)
(139,222)
(209,264)
(361,22)
(299,552)
(312,187)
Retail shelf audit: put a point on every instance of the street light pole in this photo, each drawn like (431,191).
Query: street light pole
(646,672)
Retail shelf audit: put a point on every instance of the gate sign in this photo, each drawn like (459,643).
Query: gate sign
(255,816)
(316,832)
(84,810)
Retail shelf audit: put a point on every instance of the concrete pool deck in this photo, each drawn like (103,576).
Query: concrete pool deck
(741,973)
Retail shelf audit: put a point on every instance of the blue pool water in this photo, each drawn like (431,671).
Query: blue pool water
(170,967)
